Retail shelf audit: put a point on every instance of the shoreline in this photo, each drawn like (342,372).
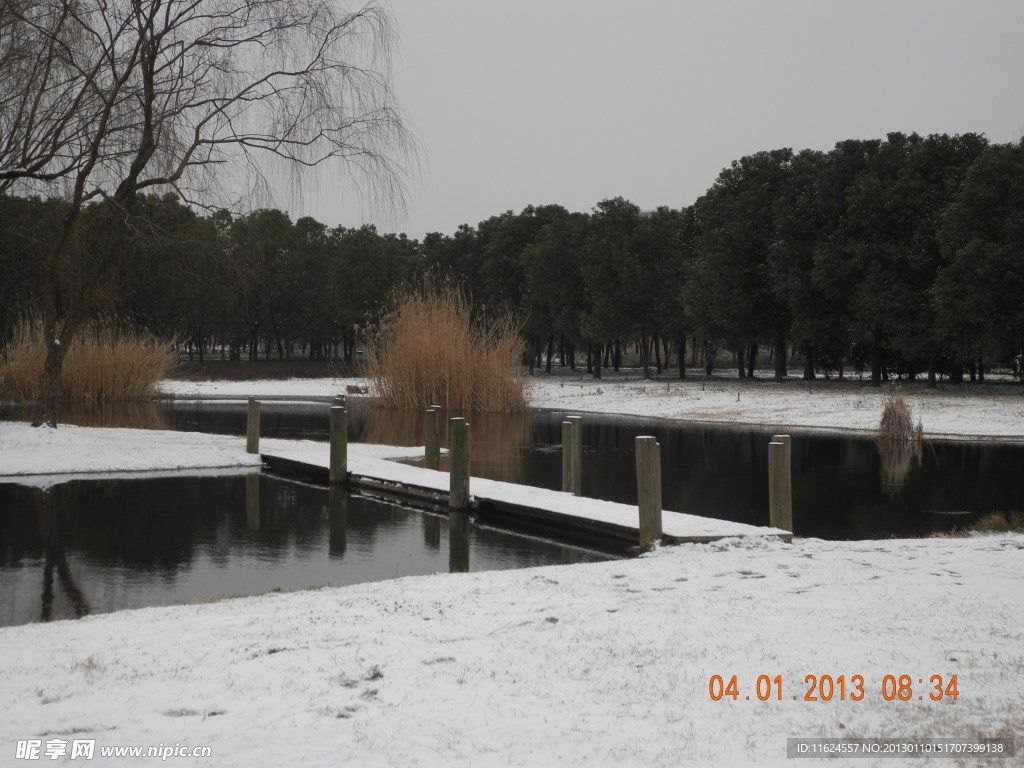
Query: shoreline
(992,411)
(598,664)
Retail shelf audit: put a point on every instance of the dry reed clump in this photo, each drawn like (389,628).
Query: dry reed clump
(106,361)
(431,350)
(999,522)
(898,439)
(897,420)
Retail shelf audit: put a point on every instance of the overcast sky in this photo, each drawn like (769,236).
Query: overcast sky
(573,101)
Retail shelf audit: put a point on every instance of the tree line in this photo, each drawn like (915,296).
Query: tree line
(219,282)
(896,256)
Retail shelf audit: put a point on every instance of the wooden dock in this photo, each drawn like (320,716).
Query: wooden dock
(605,525)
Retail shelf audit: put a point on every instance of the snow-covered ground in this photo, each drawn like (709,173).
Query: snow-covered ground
(971,410)
(598,664)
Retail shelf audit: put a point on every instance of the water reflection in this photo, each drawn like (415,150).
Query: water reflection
(896,459)
(499,440)
(102,545)
(55,559)
(844,487)
(131,414)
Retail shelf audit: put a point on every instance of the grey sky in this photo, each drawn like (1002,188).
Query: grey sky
(574,101)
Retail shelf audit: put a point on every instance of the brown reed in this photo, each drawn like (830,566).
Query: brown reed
(430,349)
(898,440)
(106,361)
(897,421)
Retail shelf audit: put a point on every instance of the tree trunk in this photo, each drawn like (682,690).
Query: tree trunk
(645,354)
(551,352)
(809,363)
(956,372)
(45,410)
(681,351)
(876,357)
(752,360)
(741,363)
(781,369)
(597,360)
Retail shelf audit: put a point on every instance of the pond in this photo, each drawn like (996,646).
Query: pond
(844,487)
(93,546)
(105,545)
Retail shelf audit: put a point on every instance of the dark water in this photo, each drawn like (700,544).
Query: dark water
(843,488)
(95,546)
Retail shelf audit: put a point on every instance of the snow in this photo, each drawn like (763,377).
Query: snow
(993,411)
(69,450)
(598,664)
(370,461)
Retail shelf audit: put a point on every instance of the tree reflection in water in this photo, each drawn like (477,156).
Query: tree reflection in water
(55,558)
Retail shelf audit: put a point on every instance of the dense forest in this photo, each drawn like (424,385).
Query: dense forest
(897,256)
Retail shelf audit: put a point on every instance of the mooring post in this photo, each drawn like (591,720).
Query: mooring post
(337,505)
(575,483)
(432,437)
(780,483)
(458,492)
(566,453)
(648,489)
(458,541)
(338,472)
(252,430)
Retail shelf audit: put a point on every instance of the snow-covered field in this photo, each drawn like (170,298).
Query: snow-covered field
(599,664)
(976,410)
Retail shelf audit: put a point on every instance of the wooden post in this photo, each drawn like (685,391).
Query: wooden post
(566,453)
(575,482)
(432,437)
(458,541)
(338,472)
(458,493)
(337,506)
(648,489)
(780,484)
(252,431)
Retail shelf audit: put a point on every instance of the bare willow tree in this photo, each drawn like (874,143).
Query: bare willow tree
(101,100)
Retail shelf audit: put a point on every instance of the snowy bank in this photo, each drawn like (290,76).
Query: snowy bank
(602,664)
(599,664)
(70,450)
(994,411)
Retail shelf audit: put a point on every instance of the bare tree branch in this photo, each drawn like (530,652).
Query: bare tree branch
(102,99)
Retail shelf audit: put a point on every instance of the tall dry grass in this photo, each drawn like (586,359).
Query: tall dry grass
(897,421)
(898,440)
(107,361)
(431,350)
